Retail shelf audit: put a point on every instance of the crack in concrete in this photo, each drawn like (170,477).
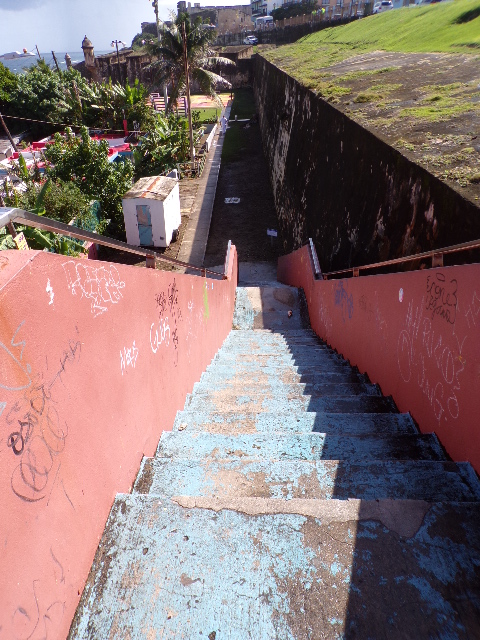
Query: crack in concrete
(404,517)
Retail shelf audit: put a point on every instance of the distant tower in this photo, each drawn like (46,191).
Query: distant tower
(88,53)
(89,56)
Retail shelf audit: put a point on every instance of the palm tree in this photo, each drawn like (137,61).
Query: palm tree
(183,53)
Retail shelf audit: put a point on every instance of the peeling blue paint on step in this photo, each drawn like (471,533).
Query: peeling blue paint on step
(316,446)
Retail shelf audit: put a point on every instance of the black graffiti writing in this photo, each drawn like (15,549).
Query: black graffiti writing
(161,301)
(442,297)
(39,434)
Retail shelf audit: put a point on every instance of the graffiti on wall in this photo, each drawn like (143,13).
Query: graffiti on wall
(36,432)
(441,298)
(344,300)
(165,329)
(101,285)
(40,619)
(128,357)
(432,348)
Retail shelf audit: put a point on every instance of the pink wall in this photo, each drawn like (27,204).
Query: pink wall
(416,334)
(95,361)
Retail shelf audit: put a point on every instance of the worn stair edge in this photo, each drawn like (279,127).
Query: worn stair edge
(278,389)
(321,479)
(327,404)
(291,422)
(312,446)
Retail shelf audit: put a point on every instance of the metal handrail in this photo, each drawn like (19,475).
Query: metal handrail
(316,264)
(435,254)
(9,215)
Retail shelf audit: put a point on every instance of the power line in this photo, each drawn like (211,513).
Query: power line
(76,126)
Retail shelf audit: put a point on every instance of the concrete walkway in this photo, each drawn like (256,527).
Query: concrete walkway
(195,239)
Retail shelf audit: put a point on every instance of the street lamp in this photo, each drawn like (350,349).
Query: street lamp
(115,43)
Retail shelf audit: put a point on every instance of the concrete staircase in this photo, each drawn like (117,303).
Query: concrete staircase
(291,500)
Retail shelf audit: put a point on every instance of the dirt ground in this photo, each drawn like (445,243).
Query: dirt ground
(427,105)
(243,175)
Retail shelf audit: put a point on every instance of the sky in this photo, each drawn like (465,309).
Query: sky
(62,24)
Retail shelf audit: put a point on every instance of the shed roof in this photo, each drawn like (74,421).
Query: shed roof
(153,188)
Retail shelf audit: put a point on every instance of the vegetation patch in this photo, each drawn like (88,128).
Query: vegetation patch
(390,73)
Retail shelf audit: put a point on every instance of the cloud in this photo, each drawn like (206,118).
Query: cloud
(20,5)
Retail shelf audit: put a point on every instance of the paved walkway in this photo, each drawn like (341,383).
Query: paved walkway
(195,239)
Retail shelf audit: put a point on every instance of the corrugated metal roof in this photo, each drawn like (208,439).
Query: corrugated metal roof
(153,187)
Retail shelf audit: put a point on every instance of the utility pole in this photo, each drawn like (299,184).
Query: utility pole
(157,19)
(55,60)
(187,82)
(115,43)
(2,122)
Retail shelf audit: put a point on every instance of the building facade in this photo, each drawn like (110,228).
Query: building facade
(235,19)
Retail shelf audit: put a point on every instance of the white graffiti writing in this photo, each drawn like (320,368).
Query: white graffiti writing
(473,312)
(49,290)
(101,285)
(160,334)
(426,359)
(373,312)
(128,357)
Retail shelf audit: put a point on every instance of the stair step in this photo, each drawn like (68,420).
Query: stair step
(233,388)
(285,359)
(268,347)
(253,367)
(282,376)
(305,446)
(319,479)
(290,422)
(252,403)
(241,569)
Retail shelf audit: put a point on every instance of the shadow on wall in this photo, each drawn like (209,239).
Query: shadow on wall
(334,181)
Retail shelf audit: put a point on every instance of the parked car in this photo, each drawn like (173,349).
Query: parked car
(384,5)
(250,40)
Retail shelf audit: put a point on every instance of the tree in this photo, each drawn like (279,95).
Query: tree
(8,83)
(290,11)
(36,94)
(84,162)
(163,146)
(183,53)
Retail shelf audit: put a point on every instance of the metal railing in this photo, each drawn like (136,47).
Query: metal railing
(436,255)
(8,216)
(316,264)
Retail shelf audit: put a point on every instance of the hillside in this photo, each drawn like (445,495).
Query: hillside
(411,75)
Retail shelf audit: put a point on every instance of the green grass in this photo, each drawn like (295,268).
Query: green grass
(243,104)
(234,141)
(208,114)
(445,27)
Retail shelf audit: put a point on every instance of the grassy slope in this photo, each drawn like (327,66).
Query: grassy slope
(429,114)
(433,28)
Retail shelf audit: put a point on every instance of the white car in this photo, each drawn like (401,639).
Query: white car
(384,5)
(250,40)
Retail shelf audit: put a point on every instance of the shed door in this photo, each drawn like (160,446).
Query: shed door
(144,225)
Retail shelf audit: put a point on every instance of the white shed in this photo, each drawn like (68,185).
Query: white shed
(151,210)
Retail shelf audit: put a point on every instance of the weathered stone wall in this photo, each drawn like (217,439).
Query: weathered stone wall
(358,198)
